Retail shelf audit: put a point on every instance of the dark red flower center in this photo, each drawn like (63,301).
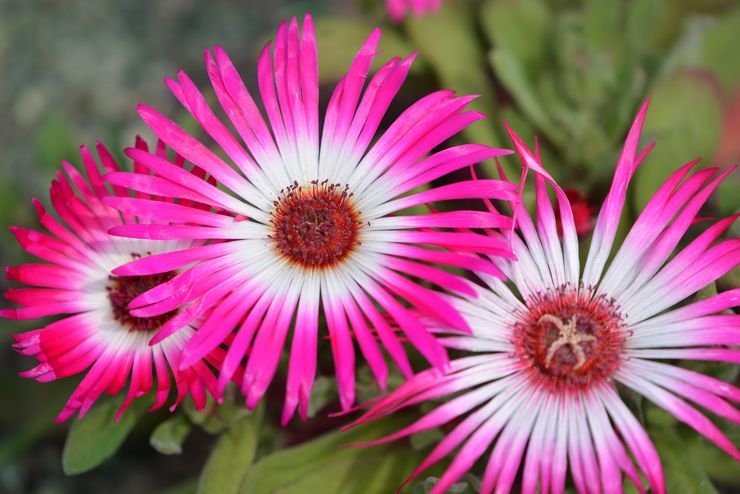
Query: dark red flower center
(571,339)
(315,226)
(123,289)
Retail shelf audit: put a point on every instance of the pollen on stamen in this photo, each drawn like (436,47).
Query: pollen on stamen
(123,289)
(570,338)
(315,226)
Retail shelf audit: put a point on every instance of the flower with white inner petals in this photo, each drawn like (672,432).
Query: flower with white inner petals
(313,226)
(540,390)
(98,332)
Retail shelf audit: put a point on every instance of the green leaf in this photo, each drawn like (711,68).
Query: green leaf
(54,141)
(720,466)
(96,437)
(684,119)
(720,49)
(682,473)
(467,485)
(168,437)
(214,418)
(449,43)
(726,197)
(323,392)
(601,23)
(339,39)
(522,27)
(325,465)
(232,457)
(511,73)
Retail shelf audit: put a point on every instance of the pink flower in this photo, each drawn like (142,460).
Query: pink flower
(540,390)
(398,9)
(98,333)
(311,224)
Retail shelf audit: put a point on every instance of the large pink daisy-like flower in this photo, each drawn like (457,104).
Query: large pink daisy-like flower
(399,8)
(310,222)
(540,390)
(98,332)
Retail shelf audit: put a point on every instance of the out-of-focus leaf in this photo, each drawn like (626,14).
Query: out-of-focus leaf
(422,440)
(467,485)
(641,19)
(511,73)
(10,202)
(323,392)
(657,418)
(684,119)
(168,437)
(720,49)
(720,466)
(601,23)
(55,142)
(682,473)
(187,487)
(325,465)
(214,418)
(232,457)
(96,437)
(448,42)
(521,27)
(339,39)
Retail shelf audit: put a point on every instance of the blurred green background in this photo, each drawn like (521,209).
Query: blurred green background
(571,72)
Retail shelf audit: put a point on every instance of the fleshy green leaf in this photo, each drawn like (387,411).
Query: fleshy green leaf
(720,466)
(684,119)
(522,27)
(339,39)
(467,485)
(96,437)
(720,49)
(232,457)
(682,473)
(168,437)
(326,465)
(323,392)
(449,43)
(510,71)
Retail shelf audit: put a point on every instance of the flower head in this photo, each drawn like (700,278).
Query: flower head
(399,8)
(540,390)
(98,333)
(312,224)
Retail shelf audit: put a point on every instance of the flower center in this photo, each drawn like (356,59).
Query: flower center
(571,339)
(122,290)
(315,226)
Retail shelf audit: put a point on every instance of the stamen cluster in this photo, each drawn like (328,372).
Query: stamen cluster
(570,338)
(315,226)
(123,289)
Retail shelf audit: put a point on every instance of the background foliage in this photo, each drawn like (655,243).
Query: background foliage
(570,72)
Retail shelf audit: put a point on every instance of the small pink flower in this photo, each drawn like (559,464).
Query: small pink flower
(315,226)
(398,9)
(98,333)
(540,391)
